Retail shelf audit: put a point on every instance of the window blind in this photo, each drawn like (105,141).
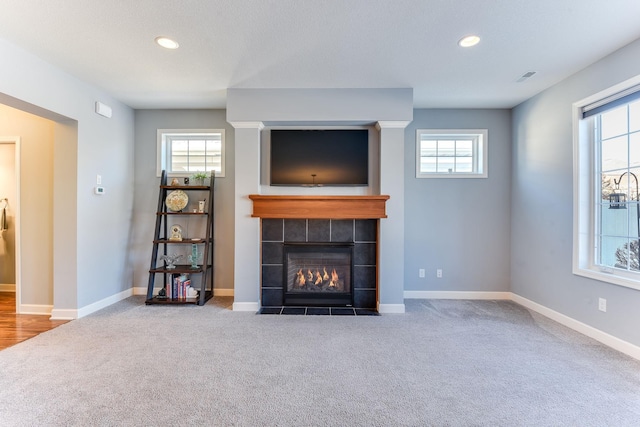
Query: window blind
(612,101)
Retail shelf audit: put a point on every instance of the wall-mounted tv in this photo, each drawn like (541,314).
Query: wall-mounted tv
(338,157)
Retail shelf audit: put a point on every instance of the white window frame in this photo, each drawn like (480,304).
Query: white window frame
(163,146)
(585,190)
(480,156)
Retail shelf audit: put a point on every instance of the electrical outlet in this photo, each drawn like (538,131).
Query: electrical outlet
(439,273)
(421,273)
(602,304)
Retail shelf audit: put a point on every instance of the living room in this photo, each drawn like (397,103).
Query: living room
(514,235)
(483,258)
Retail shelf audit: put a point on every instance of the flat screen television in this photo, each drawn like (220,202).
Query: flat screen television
(338,157)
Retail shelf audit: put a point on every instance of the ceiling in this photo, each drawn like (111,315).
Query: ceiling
(320,44)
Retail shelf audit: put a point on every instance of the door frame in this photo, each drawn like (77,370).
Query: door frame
(15,206)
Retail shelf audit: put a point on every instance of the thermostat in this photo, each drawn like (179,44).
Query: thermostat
(99,190)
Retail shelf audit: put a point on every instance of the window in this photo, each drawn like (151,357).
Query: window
(184,152)
(606,203)
(456,153)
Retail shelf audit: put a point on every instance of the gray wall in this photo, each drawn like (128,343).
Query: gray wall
(91,233)
(542,211)
(147,122)
(461,226)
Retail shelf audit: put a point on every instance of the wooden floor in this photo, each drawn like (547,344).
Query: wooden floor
(15,328)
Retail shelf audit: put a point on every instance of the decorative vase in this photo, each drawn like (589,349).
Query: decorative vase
(171,260)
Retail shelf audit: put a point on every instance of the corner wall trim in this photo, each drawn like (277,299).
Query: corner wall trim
(598,335)
(36,309)
(246,306)
(70,314)
(391,308)
(64,314)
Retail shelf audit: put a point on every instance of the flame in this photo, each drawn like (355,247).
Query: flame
(325,276)
(309,275)
(334,278)
(300,278)
(318,278)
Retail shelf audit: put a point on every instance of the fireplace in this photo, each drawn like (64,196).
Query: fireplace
(356,236)
(318,274)
(350,221)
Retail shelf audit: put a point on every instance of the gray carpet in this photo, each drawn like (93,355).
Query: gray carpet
(443,363)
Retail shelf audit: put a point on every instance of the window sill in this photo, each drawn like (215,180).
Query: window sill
(615,277)
(452,175)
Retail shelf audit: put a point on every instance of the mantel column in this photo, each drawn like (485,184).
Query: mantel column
(391,250)
(246,270)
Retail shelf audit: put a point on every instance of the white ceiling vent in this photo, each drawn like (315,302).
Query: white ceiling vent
(525,76)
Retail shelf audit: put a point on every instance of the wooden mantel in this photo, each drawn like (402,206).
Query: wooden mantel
(319,207)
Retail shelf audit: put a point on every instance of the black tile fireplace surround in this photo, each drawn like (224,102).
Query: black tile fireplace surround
(360,233)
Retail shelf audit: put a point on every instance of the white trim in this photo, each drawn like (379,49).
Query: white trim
(70,314)
(598,335)
(7,287)
(247,125)
(161,149)
(583,263)
(44,310)
(391,308)
(618,344)
(106,302)
(457,295)
(64,314)
(480,152)
(246,306)
(388,124)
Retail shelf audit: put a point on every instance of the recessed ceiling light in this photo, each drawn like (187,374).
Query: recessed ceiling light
(469,41)
(167,43)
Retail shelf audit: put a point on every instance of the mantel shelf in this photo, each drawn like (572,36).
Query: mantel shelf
(319,207)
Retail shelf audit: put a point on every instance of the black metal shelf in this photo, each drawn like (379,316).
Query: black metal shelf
(205,270)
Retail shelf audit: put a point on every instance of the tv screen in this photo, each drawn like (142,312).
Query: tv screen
(320,157)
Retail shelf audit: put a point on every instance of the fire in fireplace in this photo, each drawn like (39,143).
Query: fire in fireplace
(318,274)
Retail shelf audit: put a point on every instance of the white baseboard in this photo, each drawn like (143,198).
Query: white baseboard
(598,335)
(7,287)
(391,308)
(36,309)
(457,295)
(69,314)
(246,306)
(64,314)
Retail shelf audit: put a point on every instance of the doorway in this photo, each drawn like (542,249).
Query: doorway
(9,217)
